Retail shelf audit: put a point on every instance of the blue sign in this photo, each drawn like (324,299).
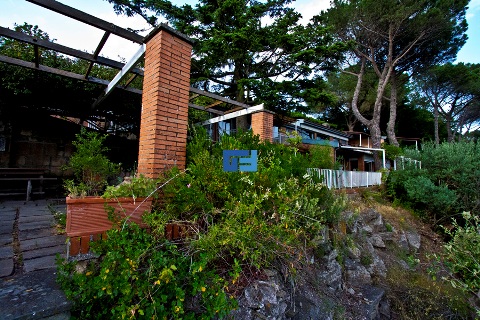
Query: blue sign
(239,160)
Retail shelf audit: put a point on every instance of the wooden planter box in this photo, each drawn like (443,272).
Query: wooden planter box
(87,216)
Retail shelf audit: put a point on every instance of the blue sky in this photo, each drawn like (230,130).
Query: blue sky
(75,34)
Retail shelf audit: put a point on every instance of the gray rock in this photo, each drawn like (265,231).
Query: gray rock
(413,239)
(356,274)
(403,242)
(377,241)
(371,302)
(374,219)
(367,229)
(384,309)
(354,253)
(262,300)
(330,271)
(377,267)
(310,310)
(261,293)
(386,236)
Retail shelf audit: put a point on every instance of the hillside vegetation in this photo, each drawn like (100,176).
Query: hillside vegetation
(275,228)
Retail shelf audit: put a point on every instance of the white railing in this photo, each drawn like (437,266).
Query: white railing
(401,162)
(338,179)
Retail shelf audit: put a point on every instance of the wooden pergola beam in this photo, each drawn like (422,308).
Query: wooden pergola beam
(220,98)
(88,19)
(31,65)
(97,52)
(63,49)
(194,106)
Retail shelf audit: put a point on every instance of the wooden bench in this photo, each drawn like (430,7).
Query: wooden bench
(18,181)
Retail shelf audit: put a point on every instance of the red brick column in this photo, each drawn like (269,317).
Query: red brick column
(262,124)
(166,83)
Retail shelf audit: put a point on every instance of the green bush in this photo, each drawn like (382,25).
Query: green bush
(237,219)
(457,166)
(139,276)
(135,187)
(250,215)
(462,253)
(90,166)
(448,183)
(414,188)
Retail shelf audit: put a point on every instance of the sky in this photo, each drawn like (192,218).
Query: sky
(74,34)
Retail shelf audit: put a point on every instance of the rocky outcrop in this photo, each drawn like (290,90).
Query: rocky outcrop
(339,284)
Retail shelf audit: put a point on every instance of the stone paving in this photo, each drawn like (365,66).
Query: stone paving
(29,243)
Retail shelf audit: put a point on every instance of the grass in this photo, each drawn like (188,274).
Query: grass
(414,295)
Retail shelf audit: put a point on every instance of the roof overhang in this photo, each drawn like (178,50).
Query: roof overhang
(322,129)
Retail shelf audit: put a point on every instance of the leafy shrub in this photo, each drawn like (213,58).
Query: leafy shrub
(141,276)
(236,218)
(90,166)
(250,215)
(436,200)
(135,187)
(449,171)
(457,166)
(414,188)
(392,151)
(462,253)
(321,157)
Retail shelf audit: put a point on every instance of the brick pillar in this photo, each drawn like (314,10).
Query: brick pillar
(262,124)
(166,85)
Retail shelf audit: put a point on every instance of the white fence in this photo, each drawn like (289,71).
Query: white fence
(337,179)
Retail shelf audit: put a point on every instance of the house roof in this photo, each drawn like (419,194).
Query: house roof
(315,127)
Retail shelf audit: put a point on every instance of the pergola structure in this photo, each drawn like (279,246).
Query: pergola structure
(165,96)
(100,108)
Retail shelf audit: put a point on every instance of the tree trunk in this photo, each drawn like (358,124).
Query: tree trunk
(376,137)
(435,116)
(373,124)
(392,138)
(241,123)
(448,123)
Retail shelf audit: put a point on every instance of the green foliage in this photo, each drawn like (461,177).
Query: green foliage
(321,157)
(422,191)
(449,181)
(135,187)
(391,151)
(252,215)
(139,276)
(414,188)
(462,253)
(90,166)
(239,56)
(453,90)
(235,219)
(413,295)
(457,166)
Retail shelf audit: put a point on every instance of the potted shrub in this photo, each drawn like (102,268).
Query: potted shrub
(92,205)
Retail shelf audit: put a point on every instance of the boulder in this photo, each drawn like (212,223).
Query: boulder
(413,240)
